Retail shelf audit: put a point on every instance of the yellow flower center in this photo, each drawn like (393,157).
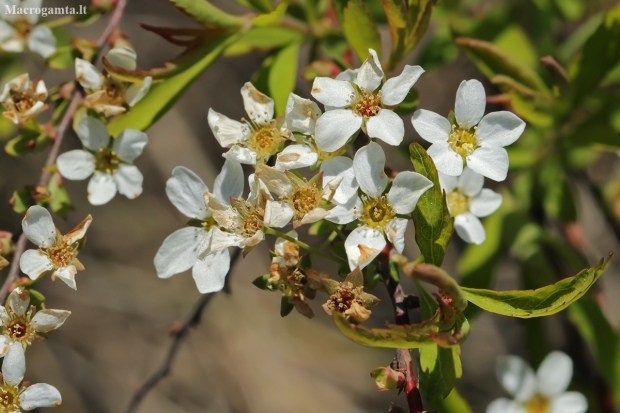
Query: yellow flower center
(294,283)
(61,254)
(376,212)
(22,101)
(368,104)
(538,404)
(115,91)
(265,141)
(458,203)
(17,329)
(9,399)
(251,218)
(344,297)
(23,29)
(106,160)
(305,197)
(463,141)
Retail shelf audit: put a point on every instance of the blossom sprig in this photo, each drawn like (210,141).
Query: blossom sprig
(20,31)
(23,99)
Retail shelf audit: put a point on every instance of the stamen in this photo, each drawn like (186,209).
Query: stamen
(463,141)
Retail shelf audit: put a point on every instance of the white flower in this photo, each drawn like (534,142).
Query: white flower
(476,140)
(109,163)
(242,223)
(56,252)
(106,94)
(252,141)
(379,215)
(181,249)
(17,396)
(21,323)
(468,201)
(543,392)
(20,30)
(23,99)
(359,99)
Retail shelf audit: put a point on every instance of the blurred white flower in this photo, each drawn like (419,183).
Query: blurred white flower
(251,141)
(476,140)
(180,250)
(18,31)
(21,323)
(540,392)
(23,99)
(360,99)
(110,165)
(56,252)
(380,215)
(467,202)
(18,396)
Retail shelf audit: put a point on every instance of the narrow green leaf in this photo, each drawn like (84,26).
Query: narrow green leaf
(420,18)
(22,200)
(263,38)
(321,227)
(263,283)
(278,75)
(540,302)
(207,14)
(398,22)
(285,306)
(433,225)
(454,403)
(358,27)
(271,17)
(59,201)
(30,141)
(513,40)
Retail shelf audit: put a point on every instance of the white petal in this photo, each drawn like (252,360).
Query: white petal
(569,402)
(4,316)
(499,129)
(313,216)
(14,365)
(332,92)
(485,203)
(241,155)
(470,103)
(277,214)
(101,189)
(32,18)
(345,213)
(67,275)
(370,74)
(295,157)
(186,192)
(129,144)
(489,162)
(42,41)
(39,395)
(517,377)
(226,131)
(505,406)
(469,228)
(275,180)
(128,180)
(395,233)
(122,56)
(79,231)
(210,273)
(39,226)
(387,126)
(88,75)
(395,90)
(348,75)
(554,374)
(137,91)
(446,160)
(258,106)
(362,246)
(221,240)
(33,263)
(178,252)
(334,128)
(19,300)
(6,32)
(76,165)
(340,166)
(431,126)
(93,134)
(470,182)
(48,320)
(5,343)
(448,182)
(369,164)
(406,189)
(229,182)
(301,114)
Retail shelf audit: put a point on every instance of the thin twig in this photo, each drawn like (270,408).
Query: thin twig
(191,320)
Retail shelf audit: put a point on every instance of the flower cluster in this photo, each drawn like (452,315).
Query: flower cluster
(21,31)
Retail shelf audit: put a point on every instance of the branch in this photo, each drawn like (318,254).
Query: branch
(178,333)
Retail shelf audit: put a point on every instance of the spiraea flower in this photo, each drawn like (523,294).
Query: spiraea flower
(57,252)
(467,202)
(108,161)
(21,323)
(16,396)
(254,140)
(20,31)
(474,141)
(309,199)
(107,94)
(181,249)
(242,223)
(380,214)
(348,297)
(23,99)
(540,392)
(361,99)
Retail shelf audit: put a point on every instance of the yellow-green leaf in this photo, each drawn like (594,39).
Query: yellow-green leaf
(207,14)
(358,27)
(271,17)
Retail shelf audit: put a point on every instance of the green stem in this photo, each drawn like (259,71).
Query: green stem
(338,230)
(329,240)
(59,22)
(303,245)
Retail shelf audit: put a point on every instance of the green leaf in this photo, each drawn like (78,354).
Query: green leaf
(207,14)
(162,96)
(358,27)
(263,38)
(398,23)
(433,225)
(321,227)
(258,5)
(540,302)
(59,201)
(513,40)
(30,141)
(285,306)
(420,15)
(271,17)
(454,403)
(37,299)
(63,57)
(263,283)
(22,200)
(387,379)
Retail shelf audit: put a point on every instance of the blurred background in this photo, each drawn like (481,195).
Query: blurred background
(243,357)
